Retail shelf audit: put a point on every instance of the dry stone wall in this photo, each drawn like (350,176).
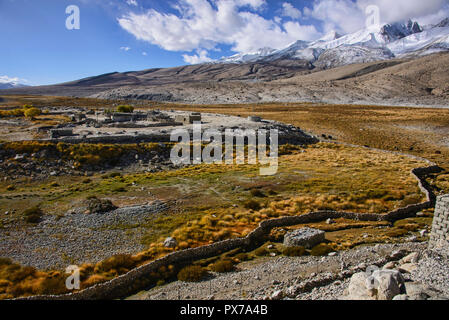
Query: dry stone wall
(131,283)
(439,237)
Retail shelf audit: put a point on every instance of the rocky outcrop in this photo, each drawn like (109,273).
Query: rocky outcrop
(305,237)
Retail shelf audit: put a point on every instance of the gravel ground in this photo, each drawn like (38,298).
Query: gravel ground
(433,270)
(263,278)
(77,238)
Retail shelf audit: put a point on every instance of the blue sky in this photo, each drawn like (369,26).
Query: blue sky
(126,35)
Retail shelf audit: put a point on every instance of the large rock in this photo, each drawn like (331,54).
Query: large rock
(170,242)
(358,290)
(411,258)
(418,291)
(305,237)
(388,283)
(381,285)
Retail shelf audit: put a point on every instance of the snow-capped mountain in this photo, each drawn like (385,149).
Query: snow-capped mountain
(247,57)
(366,45)
(9,83)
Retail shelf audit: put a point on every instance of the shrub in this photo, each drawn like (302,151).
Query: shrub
(396,232)
(192,274)
(242,256)
(125,109)
(321,250)
(16,273)
(5,261)
(33,215)
(93,280)
(120,262)
(252,205)
(32,112)
(114,175)
(119,189)
(257,193)
(53,285)
(10,188)
(262,251)
(95,205)
(294,251)
(223,266)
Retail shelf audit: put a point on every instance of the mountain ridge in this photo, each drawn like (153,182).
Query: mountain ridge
(339,69)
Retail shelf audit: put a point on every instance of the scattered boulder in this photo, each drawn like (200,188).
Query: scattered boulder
(381,285)
(170,242)
(306,237)
(357,289)
(407,267)
(411,258)
(418,291)
(98,206)
(390,265)
(401,297)
(277,295)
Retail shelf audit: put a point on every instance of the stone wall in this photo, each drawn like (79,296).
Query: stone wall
(130,283)
(439,237)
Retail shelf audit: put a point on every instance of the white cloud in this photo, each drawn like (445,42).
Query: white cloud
(132,3)
(349,16)
(125,49)
(202,26)
(200,57)
(144,53)
(288,10)
(341,15)
(399,10)
(6,79)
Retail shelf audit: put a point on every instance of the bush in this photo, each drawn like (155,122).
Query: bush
(53,285)
(32,112)
(223,266)
(125,109)
(120,262)
(262,251)
(252,205)
(192,274)
(396,232)
(321,250)
(5,261)
(294,251)
(257,193)
(242,257)
(33,215)
(97,206)
(119,189)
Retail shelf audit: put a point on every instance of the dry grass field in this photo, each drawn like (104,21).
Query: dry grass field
(211,202)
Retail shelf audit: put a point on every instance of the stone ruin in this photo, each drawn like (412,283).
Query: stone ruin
(188,119)
(57,133)
(439,237)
